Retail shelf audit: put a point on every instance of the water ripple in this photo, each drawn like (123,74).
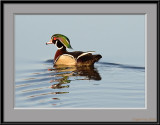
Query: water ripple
(69,86)
(120,65)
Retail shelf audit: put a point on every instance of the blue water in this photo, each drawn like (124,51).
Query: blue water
(116,81)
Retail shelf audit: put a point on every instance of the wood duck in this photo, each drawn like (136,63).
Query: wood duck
(63,57)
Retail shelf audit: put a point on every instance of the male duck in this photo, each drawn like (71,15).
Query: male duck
(63,57)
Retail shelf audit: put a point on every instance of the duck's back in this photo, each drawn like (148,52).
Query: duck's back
(85,58)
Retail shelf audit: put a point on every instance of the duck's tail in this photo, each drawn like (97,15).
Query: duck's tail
(96,58)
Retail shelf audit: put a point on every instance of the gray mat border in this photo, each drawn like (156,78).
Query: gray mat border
(76,115)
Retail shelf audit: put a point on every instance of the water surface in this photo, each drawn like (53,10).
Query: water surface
(116,81)
(106,85)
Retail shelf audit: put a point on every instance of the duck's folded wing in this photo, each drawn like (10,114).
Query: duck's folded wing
(88,58)
(85,54)
(75,54)
(84,57)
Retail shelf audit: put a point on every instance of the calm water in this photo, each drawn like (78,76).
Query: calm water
(116,81)
(106,85)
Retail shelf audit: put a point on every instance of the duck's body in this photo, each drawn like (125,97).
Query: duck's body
(75,58)
(63,57)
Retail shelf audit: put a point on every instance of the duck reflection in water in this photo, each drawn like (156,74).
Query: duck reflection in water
(63,73)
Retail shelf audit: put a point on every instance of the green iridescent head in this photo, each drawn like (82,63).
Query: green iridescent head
(63,39)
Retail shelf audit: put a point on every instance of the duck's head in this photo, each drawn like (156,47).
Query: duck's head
(61,41)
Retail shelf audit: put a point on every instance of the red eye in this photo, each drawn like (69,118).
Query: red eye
(54,38)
